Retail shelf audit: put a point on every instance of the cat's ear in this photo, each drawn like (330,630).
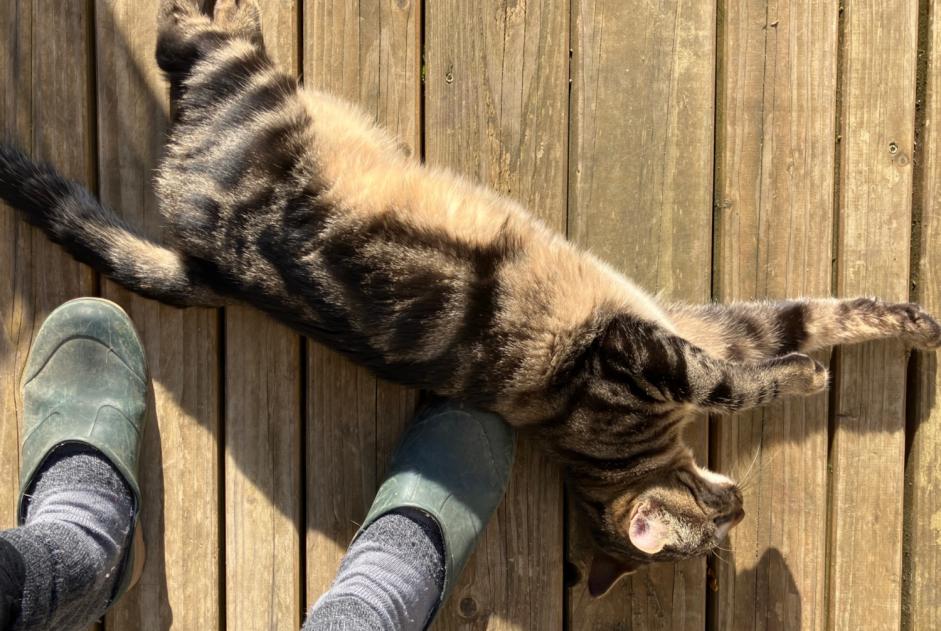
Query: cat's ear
(648,533)
(605,572)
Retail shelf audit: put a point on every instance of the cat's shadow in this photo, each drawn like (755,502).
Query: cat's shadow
(746,442)
(767,591)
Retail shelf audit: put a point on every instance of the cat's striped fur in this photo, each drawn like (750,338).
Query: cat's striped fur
(293,201)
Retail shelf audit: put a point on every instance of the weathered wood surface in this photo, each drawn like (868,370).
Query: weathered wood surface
(264,485)
(775,160)
(921,607)
(640,183)
(34,85)
(877,143)
(368,52)
(501,118)
(801,114)
(179,468)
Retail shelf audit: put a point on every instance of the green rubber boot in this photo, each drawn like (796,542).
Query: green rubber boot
(453,463)
(86,383)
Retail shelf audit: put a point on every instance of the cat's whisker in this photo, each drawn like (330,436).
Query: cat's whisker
(748,485)
(752,465)
(719,557)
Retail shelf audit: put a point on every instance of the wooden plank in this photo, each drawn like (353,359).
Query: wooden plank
(774,205)
(179,467)
(263,474)
(496,110)
(15,333)
(35,275)
(921,608)
(369,53)
(263,435)
(641,182)
(878,97)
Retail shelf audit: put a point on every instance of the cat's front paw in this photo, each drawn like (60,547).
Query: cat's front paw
(919,328)
(803,375)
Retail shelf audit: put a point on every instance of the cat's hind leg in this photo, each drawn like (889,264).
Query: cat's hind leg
(752,331)
(173,12)
(186,34)
(239,17)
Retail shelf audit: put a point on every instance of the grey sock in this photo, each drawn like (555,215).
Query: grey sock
(12,579)
(390,579)
(72,546)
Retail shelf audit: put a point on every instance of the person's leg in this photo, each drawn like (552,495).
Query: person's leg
(12,579)
(76,534)
(84,399)
(391,577)
(447,477)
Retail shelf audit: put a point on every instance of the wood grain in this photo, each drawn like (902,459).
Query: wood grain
(641,183)
(922,564)
(878,112)
(35,275)
(263,435)
(629,151)
(496,111)
(775,159)
(15,332)
(179,458)
(369,53)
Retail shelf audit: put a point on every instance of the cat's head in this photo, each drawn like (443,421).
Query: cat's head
(678,513)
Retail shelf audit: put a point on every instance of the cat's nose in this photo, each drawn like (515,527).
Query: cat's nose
(738,516)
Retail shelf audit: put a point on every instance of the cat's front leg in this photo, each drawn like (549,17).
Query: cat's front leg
(752,331)
(861,319)
(654,367)
(733,387)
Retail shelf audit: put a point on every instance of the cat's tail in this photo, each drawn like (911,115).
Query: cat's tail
(71,216)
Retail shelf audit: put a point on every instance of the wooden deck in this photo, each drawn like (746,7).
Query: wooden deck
(728,150)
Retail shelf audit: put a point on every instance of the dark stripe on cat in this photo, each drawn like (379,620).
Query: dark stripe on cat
(269,95)
(720,394)
(625,376)
(222,81)
(269,152)
(752,330)
(177,50)
(586,462)
(793,327)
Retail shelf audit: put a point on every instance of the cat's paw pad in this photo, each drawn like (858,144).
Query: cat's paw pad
(919,327)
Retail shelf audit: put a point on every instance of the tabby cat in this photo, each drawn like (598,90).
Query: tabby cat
(293,201)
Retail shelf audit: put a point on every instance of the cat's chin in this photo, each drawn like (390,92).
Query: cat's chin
(723,529)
